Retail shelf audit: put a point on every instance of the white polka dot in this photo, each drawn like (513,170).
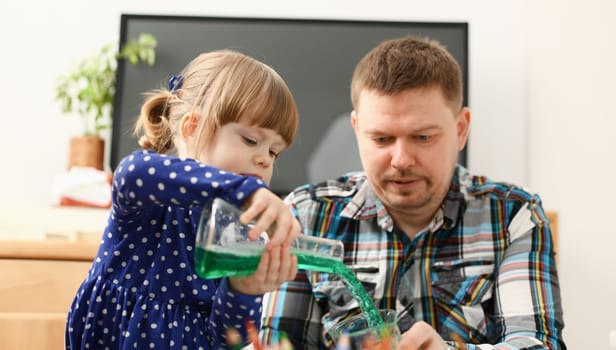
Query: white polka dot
(152,171)
(215,184)
(193,180)
(187,168)
(172,175)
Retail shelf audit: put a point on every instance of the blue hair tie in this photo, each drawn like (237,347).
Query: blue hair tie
(175,82)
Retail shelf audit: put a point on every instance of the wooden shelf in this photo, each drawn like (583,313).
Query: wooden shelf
(39,280)
(48,249)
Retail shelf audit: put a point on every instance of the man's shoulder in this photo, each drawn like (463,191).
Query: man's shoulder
(474,186)
(341,189)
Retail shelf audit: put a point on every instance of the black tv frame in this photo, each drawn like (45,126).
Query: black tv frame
(194,33)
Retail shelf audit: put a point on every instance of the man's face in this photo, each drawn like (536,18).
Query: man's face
(408,144)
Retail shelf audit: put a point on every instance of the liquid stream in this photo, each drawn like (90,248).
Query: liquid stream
(220,262)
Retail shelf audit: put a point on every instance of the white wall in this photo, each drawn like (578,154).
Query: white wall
(540,90)
(570,56)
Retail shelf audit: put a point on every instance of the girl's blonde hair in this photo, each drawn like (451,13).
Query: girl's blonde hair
(221,87)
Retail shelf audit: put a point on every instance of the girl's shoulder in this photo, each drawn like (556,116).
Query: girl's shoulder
(151,161)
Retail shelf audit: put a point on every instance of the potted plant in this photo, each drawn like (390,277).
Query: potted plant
(88,90)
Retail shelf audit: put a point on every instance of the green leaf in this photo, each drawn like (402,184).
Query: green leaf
(88,88)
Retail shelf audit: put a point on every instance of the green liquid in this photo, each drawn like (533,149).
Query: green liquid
(228,262)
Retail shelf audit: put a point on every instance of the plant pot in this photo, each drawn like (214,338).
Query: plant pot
(86,151)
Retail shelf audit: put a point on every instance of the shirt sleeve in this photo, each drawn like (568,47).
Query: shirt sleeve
(148,178)
(293,309)
(527,293)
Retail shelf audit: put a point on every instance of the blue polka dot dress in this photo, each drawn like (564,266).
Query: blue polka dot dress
(142,291)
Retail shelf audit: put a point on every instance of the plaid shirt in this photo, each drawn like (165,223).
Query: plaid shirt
(483,269)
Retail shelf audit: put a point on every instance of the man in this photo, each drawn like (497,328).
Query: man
(461,258)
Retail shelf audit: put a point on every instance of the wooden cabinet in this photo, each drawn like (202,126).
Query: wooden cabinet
(38,282)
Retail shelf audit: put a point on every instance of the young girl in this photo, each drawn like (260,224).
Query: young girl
(228,117)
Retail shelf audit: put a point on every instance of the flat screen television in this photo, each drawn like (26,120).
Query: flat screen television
(315,57)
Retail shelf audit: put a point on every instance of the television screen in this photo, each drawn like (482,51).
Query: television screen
(316,58)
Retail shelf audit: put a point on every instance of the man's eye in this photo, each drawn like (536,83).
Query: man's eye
(249,141)
(423,138)
(382,140)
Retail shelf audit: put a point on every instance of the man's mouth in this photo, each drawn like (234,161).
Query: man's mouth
(402,180)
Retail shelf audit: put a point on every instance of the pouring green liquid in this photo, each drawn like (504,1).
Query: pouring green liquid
(219,261)
(224,250)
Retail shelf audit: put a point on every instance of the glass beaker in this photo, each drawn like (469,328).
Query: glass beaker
(356,333)
(223,249)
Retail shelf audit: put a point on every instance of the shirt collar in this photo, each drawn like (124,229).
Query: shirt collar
(365,205)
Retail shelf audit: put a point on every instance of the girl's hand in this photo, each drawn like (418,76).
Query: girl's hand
(277,266)
(271,215)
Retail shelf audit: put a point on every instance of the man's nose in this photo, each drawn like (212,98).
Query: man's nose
(403,155)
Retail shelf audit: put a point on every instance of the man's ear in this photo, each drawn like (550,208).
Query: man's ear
(188,125)
(354,120)
(463,126)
